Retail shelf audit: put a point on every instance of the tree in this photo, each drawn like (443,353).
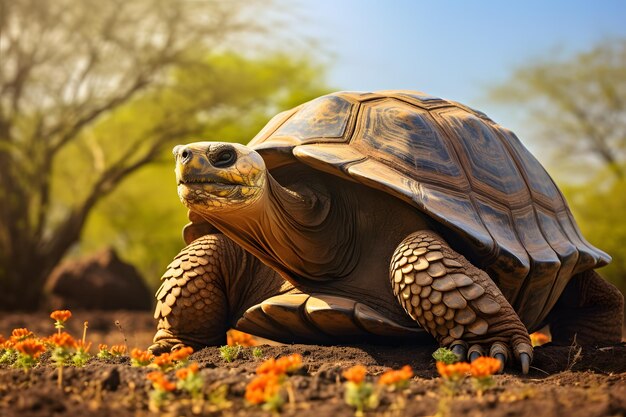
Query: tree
(599,206)
(65,65)
(577,103)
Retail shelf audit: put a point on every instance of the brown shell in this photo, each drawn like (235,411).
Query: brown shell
(455,165)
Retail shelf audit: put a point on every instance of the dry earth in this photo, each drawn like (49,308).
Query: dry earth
(559,384)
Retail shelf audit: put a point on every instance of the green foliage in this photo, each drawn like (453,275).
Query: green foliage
(599,206)
(80,358)
(362,396)
(445,355)
(8,356)
(257,353)
(576,104)
(230,353)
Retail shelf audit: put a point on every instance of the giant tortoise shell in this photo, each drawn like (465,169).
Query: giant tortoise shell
(457,166)
(292,236)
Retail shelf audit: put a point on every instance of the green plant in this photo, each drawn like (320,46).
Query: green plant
(161,389)
(257,353)
(82,355)
(358,393)
(230,353)
(189,380)
(103,352)
(445,355)
(27,353)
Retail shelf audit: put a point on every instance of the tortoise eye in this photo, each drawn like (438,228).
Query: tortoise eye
(224,158)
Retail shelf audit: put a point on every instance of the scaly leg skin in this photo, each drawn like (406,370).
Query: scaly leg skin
(205,290)
(456,302)
(589,312)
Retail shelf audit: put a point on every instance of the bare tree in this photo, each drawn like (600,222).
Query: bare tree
(63,65)
(578,103)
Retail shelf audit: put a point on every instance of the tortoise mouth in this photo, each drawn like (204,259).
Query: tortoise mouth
(206,180)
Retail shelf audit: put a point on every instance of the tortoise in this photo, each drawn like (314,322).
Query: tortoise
(388,217)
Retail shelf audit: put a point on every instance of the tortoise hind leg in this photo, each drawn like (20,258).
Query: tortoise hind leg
(207,287)
(589,312)
(456,302)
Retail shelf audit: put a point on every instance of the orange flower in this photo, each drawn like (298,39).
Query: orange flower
(538,339)
(141,357)
(181,354)
(355,374)
(267,367)
(160,382)
(262,388)
(183,373)
(289,363)
(118,350)
(163,361)
(398,377)
(30,347)
(18,335)
(454,370)
(62,340)
(102,346)
(84,346)
(484,366)
(235,337)
(281,366)
(61,315)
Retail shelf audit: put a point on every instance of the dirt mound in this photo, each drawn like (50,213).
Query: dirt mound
(101,281)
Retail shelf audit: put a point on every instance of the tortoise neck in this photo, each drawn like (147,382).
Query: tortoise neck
(303,231)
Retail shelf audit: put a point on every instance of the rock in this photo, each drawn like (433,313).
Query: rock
(100,281)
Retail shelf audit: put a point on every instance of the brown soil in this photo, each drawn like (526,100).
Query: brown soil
(560,382)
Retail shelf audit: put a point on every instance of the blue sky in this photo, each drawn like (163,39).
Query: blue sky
(450,49)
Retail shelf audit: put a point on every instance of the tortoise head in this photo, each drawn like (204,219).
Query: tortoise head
(214,177)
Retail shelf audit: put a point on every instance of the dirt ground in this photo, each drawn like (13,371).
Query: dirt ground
(560,383)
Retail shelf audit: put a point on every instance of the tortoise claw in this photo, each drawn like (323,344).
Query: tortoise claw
(459,348)
(475,352)
(524,359)
(500,357)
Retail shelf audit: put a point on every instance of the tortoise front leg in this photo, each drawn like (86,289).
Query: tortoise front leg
(456,302)
(205,290)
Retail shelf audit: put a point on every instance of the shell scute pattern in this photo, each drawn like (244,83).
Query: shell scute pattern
(458,167)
